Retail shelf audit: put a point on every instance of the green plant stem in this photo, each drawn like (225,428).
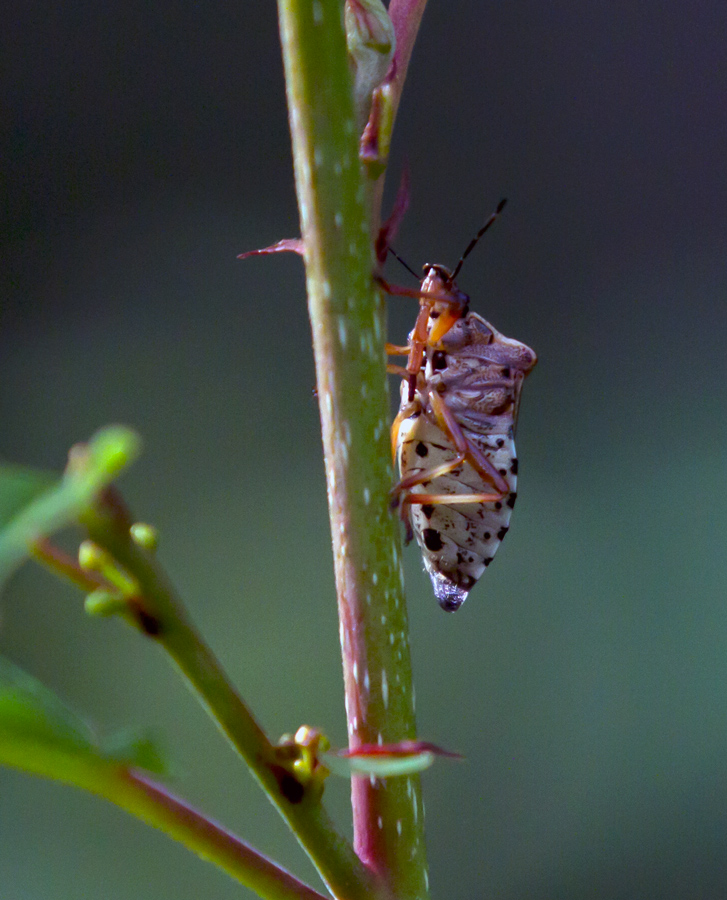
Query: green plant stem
(153,804)
(164,620)
(347,319)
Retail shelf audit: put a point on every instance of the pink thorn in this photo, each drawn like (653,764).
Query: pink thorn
(287,245)
(388,230)
(400,749)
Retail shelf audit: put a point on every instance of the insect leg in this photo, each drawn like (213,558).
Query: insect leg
(397,370)
(467,449)
(416,293)
(403,414)
(448,499)
(395,350)
(428,474)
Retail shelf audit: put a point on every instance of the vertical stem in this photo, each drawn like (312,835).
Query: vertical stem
(347,318)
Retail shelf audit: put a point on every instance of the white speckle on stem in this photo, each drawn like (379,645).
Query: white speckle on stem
(338,219)
(377,327)
(342,333)
(317,12)
(326,288)
(355,672)
(426,879)
(375,578)
(304,215)
(383,620)
(398,827)
(366,680)
(384,688)
(367,496)
(380,823)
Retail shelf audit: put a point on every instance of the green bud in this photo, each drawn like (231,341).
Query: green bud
(95,559)
(145,536)
(113,448)
(104,603)
(91,557)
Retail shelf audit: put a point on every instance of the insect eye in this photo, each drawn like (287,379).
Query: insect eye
(439,359)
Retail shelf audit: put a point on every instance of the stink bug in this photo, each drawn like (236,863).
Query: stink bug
(454,434)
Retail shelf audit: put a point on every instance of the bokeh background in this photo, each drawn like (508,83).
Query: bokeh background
(144,146)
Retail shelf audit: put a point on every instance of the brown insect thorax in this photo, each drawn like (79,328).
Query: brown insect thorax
(459,408)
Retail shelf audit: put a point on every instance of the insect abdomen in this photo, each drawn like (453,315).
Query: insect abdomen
(458,541)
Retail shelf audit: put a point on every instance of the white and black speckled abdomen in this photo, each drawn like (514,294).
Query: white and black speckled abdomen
(458,541)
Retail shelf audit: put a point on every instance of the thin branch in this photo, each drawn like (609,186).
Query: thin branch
(161,616)
(152,803)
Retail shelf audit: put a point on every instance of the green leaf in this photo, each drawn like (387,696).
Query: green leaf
(135,749)
(41,734)
(29,712)
(385,760)
(37,512)
(19,486)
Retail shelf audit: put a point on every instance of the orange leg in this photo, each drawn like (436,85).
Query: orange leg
(448,499)
(404,413)
(421,337)
(406,484)
(396,350)
(397,370)
(469,451)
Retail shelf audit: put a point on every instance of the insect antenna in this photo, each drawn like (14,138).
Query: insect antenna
(472,243)
(406,265)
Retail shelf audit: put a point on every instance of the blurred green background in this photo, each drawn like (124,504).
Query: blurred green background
(144,146)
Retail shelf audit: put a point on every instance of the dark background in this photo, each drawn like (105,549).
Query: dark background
(144,146)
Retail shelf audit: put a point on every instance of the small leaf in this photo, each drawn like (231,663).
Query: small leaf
(40,733)
(19,486)
(91,468)
(30,712)
(385,760)
(135,749)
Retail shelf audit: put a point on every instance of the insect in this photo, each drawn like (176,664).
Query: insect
(453,438)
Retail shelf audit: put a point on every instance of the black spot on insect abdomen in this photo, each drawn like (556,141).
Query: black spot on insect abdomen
(432,539)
